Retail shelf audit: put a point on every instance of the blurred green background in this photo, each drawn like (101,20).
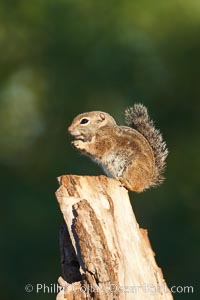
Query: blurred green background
(59,58)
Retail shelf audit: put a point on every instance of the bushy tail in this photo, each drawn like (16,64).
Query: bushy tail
(137,117)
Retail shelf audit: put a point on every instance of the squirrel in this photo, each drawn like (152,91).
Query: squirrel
(134,154)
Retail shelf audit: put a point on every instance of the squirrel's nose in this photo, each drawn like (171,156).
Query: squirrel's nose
(69,129)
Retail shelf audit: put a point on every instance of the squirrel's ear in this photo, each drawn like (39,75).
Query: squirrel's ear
(102,117)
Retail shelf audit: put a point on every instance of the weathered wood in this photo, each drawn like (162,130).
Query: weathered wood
(105,255)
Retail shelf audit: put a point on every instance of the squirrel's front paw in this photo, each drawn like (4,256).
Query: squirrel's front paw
(78,144)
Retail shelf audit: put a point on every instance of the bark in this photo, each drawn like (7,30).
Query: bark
(104,253)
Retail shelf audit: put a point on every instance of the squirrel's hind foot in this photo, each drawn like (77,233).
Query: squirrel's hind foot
(128,186)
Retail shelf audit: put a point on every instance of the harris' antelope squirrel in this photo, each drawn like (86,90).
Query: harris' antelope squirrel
(134,154)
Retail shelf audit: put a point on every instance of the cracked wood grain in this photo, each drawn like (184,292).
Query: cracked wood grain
(104,253)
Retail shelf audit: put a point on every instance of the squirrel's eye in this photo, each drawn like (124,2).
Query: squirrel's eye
(84,121)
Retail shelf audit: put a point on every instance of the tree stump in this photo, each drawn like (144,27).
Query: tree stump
(104,253)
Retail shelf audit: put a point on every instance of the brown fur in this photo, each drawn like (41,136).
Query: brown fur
(123,152)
